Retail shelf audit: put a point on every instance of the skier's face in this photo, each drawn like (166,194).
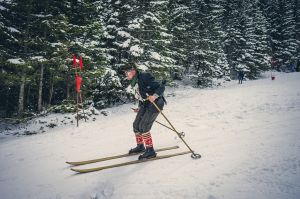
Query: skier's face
(130,74)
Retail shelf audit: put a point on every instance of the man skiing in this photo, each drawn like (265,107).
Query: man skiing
(147,91)
(241,76)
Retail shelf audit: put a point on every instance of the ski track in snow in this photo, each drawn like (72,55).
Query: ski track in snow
(248,136)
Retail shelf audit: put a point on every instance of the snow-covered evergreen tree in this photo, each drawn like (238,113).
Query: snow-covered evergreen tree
(145,36)
(217,36)
(235,41)
(257,51)
(289,37)
(282,20)
(202,39)
(209,60)
(246,44)
(297,19)
(179,26)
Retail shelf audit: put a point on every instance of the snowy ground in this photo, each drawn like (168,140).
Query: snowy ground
(248,136)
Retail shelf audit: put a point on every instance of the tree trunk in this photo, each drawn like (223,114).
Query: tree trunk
(68,81)
(6,103)
(21,95)
(28,95)
(51,89)
(40,89)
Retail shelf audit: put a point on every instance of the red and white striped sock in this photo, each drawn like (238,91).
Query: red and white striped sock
(147,139)
(138,138)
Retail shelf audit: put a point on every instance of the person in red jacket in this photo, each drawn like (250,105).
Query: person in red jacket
(147,90)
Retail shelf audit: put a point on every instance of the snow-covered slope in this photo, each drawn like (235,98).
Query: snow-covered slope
(248,136)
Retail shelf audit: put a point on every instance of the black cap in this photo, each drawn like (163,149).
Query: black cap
(129,66)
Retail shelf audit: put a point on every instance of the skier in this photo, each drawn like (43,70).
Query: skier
(147,90)
(240,76)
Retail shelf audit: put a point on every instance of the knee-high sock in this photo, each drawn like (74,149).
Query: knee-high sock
(138,138)
(147,139)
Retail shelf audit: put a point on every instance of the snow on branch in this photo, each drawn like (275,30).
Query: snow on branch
(152,17)
(17,61)
(11,29)
(124,34)
(136,50)
(125,44)
(155,55)
(38,58)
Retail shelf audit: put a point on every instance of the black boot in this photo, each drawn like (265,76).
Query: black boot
(150,153)
(138,149)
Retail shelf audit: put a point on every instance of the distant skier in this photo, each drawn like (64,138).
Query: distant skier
(147,90)
(240,76)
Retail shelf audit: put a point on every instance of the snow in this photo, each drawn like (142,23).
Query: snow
(111,27)
(134,26)
(107,35)
(158,2)
(16,61)
(248,136)
(11,29)
(124,34)
(125,44)
(155,55)
(42,16)
(5,1)
(152,17)
(3,8)
(163,34)
(93,43)
(136,50)
(143,67)
(38,58)
(126,6)
(56,44)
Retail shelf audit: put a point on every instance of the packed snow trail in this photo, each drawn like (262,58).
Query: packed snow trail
(248,136)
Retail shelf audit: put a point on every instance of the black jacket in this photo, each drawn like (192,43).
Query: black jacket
(149,86)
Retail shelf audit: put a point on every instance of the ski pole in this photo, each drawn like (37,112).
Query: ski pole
(182,134)
(194,155)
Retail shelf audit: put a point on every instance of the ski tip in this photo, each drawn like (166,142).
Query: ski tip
(73,163)
(80,171)
(70,163)
(77,171)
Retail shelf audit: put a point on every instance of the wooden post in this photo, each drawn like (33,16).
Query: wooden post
(79,106)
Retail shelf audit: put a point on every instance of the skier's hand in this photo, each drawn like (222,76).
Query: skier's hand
(135,110)
(152,98)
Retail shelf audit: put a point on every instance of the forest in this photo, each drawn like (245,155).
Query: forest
(194,41)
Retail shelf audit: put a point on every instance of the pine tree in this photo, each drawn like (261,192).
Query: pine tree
(297,19)
(257,51)
(207,55)
(282,19)
(158,56)
(247,43)
(8,41)
(234,41)
(178,26)
(217,36)
(112,25)
(145,36)
(100,52)
(289,37)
